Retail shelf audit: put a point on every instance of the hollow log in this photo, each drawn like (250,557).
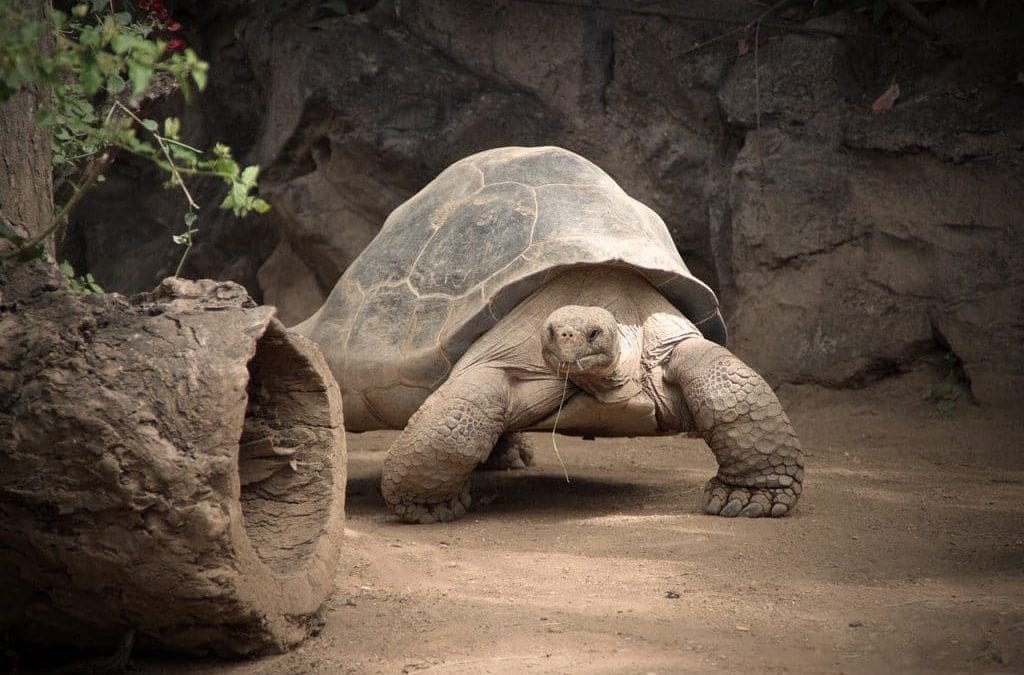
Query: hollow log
(172,464)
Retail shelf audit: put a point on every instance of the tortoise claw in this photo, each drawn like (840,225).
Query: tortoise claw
(444,512)
(730,501)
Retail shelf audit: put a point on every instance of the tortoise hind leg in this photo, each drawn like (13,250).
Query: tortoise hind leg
(760,465)
(512,451)
(426,472)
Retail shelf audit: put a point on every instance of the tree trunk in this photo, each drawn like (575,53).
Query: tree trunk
(26,178)
(172,464)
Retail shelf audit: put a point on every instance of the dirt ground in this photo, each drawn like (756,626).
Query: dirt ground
(906,554)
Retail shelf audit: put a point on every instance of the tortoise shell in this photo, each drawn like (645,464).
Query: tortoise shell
(451,261)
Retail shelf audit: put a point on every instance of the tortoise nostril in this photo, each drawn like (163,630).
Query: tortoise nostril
(566,334)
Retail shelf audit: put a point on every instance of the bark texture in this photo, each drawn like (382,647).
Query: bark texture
(26,204)
(173,463)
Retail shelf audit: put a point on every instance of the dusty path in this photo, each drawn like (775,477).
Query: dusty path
(905,555)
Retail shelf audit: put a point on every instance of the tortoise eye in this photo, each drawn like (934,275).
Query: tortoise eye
(551,332)
(592,335)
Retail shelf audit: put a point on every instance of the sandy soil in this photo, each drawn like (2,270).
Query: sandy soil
(905,555)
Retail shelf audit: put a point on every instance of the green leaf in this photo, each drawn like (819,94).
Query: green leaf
(260,205)
(140,74)
(121,43)
(91,286)
(67,269)
(183,155)
(46,117)
(144,148)
(249,176)
(58,18)
(90,78)
(171,127)
(180,239)
(150,125)
(190,218)
(89,37)
(238,194)
(110,30)
(183,87)
(226,168)
(115,83)
(199,77)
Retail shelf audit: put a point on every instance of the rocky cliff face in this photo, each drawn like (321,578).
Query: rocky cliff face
(845,244)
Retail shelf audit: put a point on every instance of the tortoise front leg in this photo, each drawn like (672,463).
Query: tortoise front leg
(426,471)
(760,465)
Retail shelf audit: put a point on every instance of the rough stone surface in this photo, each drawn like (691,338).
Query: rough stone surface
(173,464)
(845,245)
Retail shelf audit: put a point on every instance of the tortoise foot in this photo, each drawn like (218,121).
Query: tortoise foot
(444,511)
(722,499)
(512,451)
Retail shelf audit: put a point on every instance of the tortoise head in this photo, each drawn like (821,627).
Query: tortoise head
(580,340)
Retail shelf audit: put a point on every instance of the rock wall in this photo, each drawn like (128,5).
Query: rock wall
(845,245)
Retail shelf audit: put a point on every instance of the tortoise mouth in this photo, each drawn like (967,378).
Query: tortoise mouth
(562,364)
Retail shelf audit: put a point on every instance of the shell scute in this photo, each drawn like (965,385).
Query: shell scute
(492,225)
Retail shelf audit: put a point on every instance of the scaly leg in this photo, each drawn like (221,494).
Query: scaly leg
(426,471)
(760,465)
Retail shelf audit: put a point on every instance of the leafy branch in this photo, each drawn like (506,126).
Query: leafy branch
(90,86)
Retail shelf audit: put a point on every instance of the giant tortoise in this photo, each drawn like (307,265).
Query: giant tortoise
(521,287)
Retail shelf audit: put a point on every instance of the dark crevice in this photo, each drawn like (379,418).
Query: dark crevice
(732,140)
(304,151)
(798,259)
(935,355)
(599,50)
(955,383)
(320,152)
(882,368)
